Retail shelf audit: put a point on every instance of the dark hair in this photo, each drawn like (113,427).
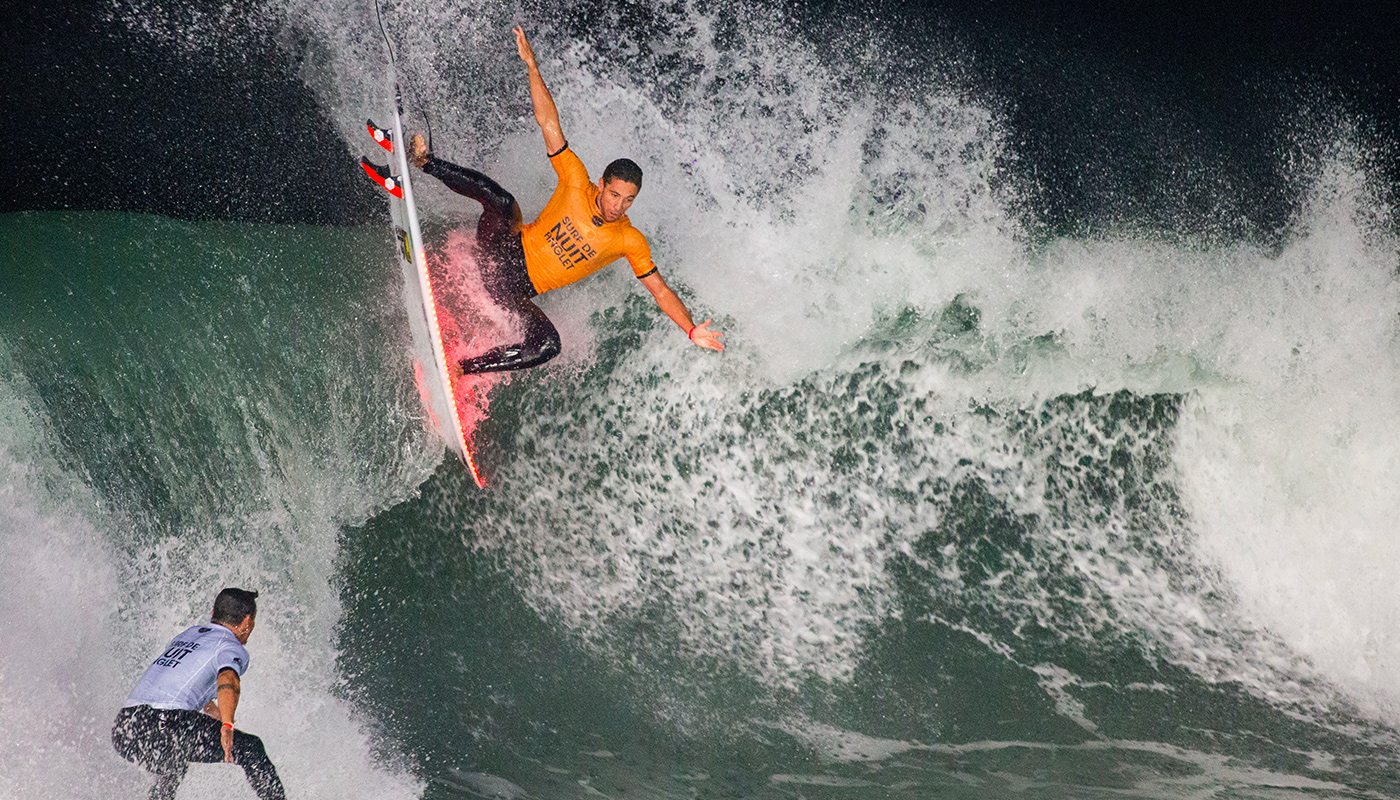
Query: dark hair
(623,169)
(232,605)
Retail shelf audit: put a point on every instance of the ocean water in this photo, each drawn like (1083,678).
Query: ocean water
(994,493)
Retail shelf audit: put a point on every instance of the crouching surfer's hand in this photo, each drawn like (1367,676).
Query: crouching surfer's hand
(702,336)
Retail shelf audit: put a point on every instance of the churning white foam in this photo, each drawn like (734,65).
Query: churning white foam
(1292,470)
(58,690)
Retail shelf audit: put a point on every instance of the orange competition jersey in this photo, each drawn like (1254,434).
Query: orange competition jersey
(567,243)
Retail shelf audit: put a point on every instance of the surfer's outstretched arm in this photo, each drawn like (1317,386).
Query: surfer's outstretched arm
(674,308)
(545,113)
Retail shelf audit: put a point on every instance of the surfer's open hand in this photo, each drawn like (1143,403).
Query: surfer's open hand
(522,46)
(706,338)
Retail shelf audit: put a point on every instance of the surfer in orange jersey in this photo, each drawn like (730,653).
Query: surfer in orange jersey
(582,228)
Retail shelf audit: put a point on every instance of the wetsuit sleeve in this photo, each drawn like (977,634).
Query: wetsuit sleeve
(638,253)
(569,168)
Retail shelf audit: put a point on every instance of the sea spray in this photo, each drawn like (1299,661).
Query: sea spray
(1292,468)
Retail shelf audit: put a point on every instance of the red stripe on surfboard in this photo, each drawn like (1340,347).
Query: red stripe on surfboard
(466,447)
(452,391)
(420,380)
(471,457)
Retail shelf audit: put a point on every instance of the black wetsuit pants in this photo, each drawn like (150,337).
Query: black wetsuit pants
(165,741)
(503,270)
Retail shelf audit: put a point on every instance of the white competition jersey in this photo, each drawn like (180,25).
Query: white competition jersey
(184,675)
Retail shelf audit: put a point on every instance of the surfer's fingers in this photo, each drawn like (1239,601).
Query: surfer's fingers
(522,45)
(710,340)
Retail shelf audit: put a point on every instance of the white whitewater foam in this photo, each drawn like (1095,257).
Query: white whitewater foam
(1292,471)
(58,689)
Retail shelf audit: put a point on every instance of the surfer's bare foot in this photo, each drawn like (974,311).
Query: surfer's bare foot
(417,151)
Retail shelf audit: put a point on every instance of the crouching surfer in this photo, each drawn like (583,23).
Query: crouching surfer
(582,228)
(181,710)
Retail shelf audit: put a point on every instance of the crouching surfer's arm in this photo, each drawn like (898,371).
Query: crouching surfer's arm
(228,689)
(672,306)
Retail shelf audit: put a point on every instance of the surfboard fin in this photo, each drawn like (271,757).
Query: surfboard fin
(385,139)
(381,176)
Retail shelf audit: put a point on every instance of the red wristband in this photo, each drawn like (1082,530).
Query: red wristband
(228,725)
(691,331)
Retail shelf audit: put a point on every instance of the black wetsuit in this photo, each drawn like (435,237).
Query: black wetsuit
(165,741)
(502,269)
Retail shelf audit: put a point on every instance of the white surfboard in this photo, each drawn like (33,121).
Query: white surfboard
(442,398)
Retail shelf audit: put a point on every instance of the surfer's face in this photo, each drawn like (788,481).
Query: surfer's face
(615,197)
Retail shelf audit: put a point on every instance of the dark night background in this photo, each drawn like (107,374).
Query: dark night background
(111,122)
(1167,114)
